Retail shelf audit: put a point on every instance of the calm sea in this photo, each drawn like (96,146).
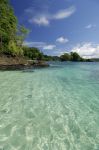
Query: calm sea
(55,108)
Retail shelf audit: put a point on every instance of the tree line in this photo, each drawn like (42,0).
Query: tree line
(73,56)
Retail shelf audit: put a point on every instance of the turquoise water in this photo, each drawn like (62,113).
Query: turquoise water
(56,108)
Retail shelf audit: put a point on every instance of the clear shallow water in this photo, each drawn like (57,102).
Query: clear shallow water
(55,108)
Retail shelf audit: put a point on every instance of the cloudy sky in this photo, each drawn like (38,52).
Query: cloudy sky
(59,26)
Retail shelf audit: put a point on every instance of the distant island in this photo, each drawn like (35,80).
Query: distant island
(13,53)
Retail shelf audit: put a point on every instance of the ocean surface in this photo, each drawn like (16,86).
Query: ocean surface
(55,108)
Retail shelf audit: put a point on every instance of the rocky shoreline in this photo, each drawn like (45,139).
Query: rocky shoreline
(19,63)
(22,67)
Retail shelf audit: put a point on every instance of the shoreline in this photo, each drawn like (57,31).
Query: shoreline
(21,67)
(8,63)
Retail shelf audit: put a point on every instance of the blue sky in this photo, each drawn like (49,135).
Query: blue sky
(59,26)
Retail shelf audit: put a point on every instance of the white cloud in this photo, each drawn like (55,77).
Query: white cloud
(90,26)
(49,47)
(41,45)
(87,50)
(41,20)
(45,18)
(34,44)
(65,13)
(62,40)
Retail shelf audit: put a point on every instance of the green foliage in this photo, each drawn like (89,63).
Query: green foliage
(13,49)
(21,35)
(73,56)
(65,57)
(51,58)
(8,23)
(11,37)
(35,54)
(32,53)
